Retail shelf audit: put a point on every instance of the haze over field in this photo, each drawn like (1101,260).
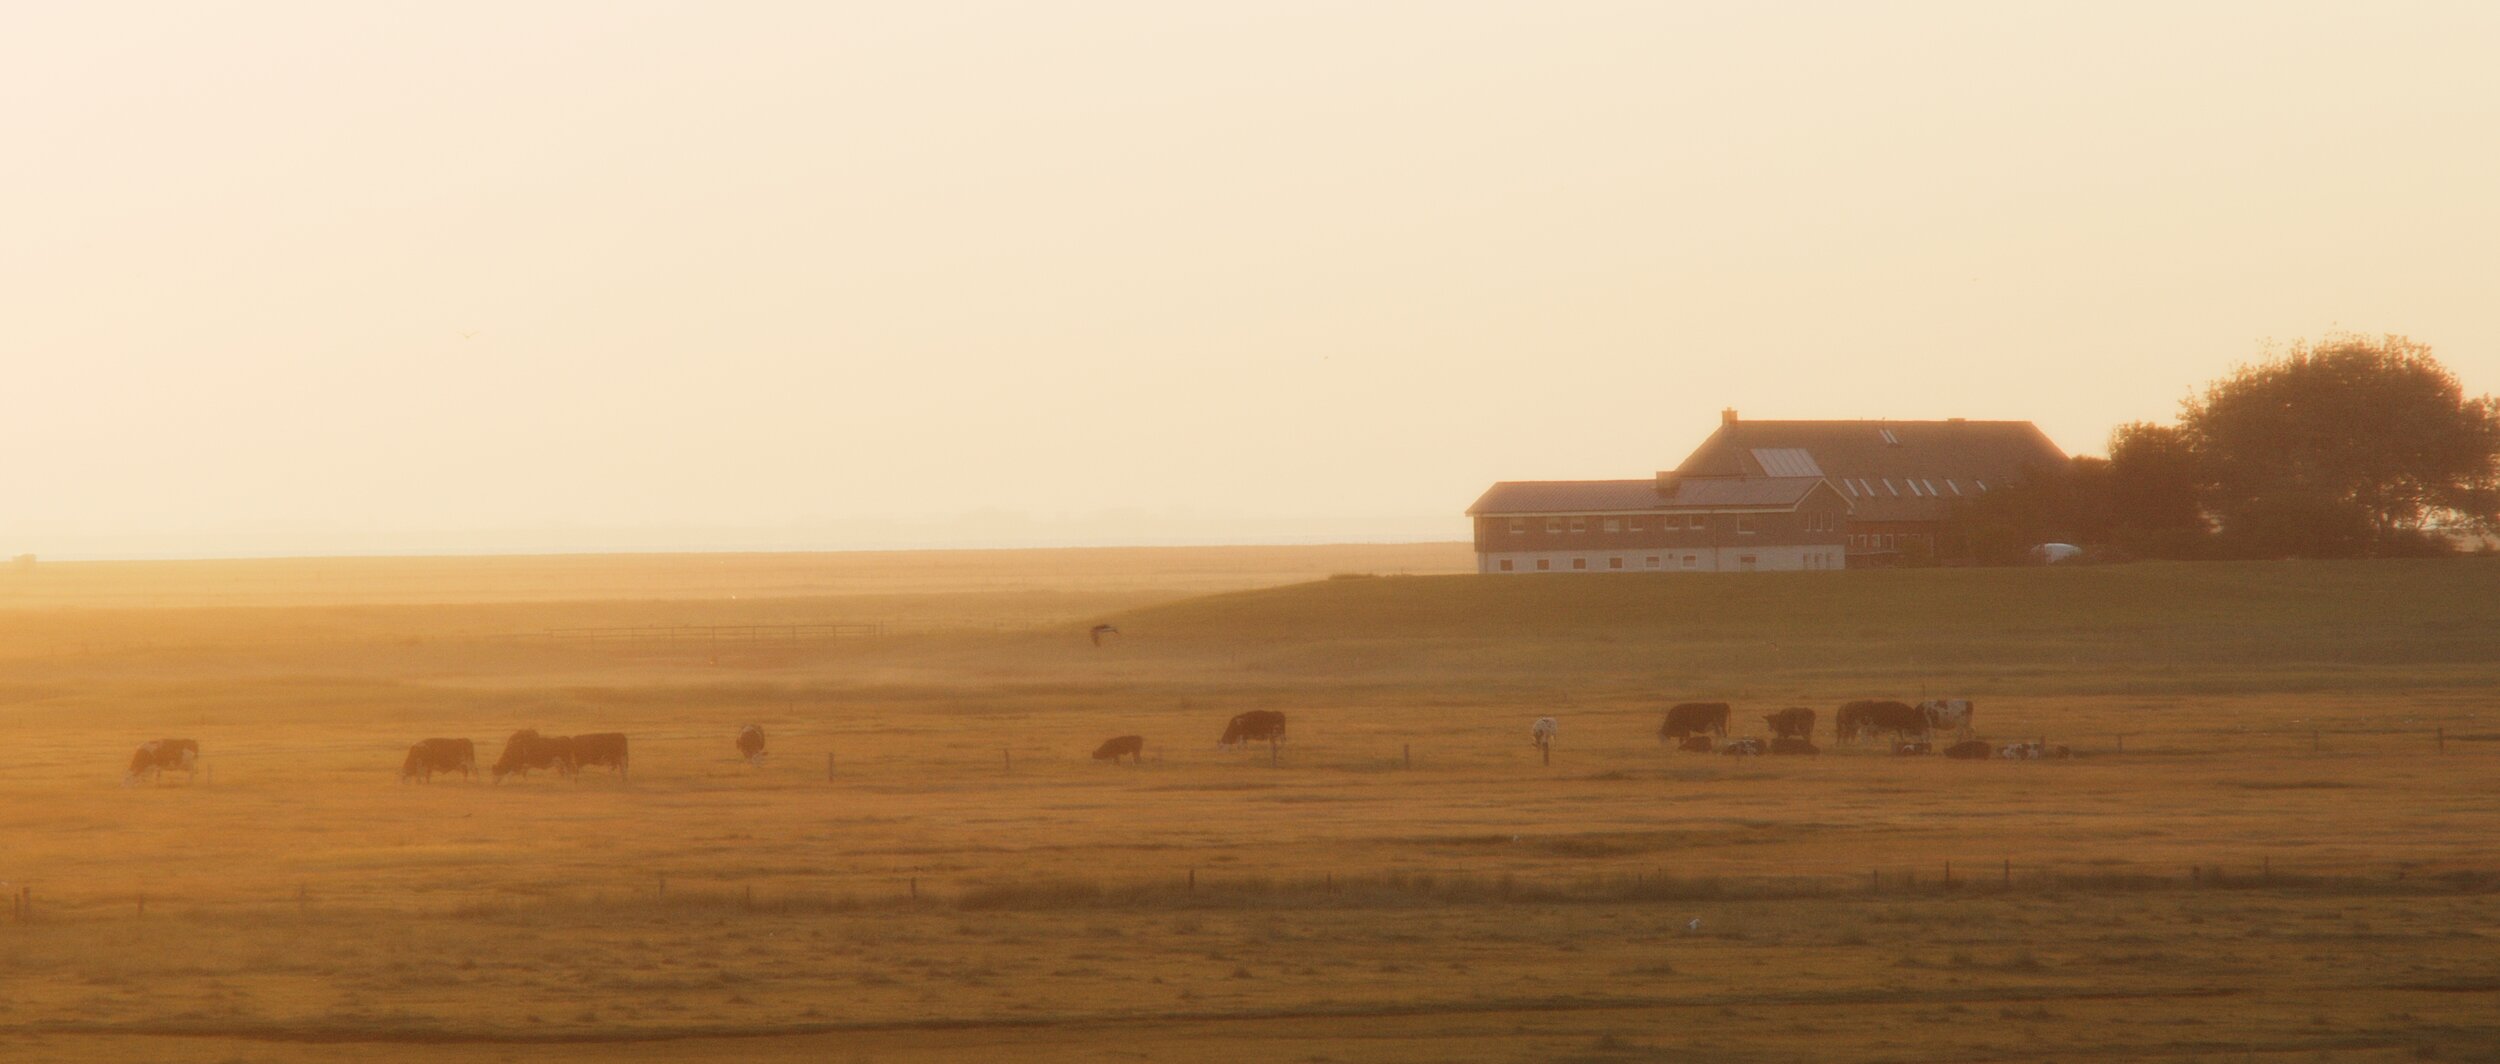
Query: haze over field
(316,278)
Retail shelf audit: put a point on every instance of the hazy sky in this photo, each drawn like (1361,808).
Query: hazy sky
(282,278)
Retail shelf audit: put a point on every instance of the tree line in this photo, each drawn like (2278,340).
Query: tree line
(2346,447)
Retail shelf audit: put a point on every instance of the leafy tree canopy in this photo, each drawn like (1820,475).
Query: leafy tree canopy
(2349,445)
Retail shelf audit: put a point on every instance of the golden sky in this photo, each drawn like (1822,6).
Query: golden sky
(317,277)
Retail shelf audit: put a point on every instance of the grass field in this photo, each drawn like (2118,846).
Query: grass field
(2281,864)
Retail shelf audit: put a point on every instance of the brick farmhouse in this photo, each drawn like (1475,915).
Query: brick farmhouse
(1764,495)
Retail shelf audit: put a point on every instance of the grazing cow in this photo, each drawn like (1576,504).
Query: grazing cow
(1542,732)
(527,749)
(1100,630)
(1795,722)
(1867,716)
(1112,750)
(1694,718)
(1745,747)
(439,755)
(1258,725)
(156,755)
(1948,713)
(1695,744)
(1968,750)
(751,744)
(1783,744)
(598,748)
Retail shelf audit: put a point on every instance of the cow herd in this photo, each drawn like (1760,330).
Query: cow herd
(1698,727)
(1910,730)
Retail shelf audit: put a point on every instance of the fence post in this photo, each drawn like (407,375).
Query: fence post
(1193,881)
(1948,873)
(2122,742)
(2443,740)
(1406,753)
(303,901)
(828,764)
(2009,873)
(1010,756)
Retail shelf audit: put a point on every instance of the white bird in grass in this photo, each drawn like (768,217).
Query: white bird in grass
(1693,927)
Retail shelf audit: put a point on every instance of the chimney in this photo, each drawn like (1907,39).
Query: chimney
(1727,416)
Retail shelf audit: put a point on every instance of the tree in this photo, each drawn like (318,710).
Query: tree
(2343,447)
(2156,494)
(2063,503)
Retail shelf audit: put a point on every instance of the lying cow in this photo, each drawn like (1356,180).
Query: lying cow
(1112,750)
(156,755)
(751,744)
(1745,747)
(1916,749)
(1696,744)
(1693,718)
(2033,752)
(1795,722)
(446,756)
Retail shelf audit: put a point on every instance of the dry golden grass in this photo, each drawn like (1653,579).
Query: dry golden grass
(1336,906)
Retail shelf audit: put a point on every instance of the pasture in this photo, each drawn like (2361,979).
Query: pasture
(2282,863)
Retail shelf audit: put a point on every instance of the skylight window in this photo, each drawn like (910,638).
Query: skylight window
(1931,487)
(1888,486)
(1889,438)
(1948,482)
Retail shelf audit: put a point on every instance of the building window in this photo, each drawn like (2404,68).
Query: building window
(1890,439)
(1505,565)
(1614,563)
(1888,486)
(1948,482)
(1745,562)
(1983,485)
(1692,561)
(1614,524)
(1579,563)
(1693,521)
(1931,487)
(1653,561)
(1913,483)
(1632,523)
(1579,524)
(1543,564)
(1518,525)
(1853,489)
(1553,525)
(1744,526)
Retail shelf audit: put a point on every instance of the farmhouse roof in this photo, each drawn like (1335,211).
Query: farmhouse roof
(1628,496)
(1889,470)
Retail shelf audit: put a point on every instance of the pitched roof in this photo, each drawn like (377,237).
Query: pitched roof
(1885,468)
(1627,496)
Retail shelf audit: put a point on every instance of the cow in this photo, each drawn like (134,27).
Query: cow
(1113,749)
(1952,713)
(1258,725)
(597,748)
(1868,716)
(1915,748)
(1542,732)
(1745,747)
(1783,744)
(1694,718)
(1795,722)
(439,755)
(527,749)
(1969,750)
(156,755)
(2033,752)
(751,744)
(1695,744)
